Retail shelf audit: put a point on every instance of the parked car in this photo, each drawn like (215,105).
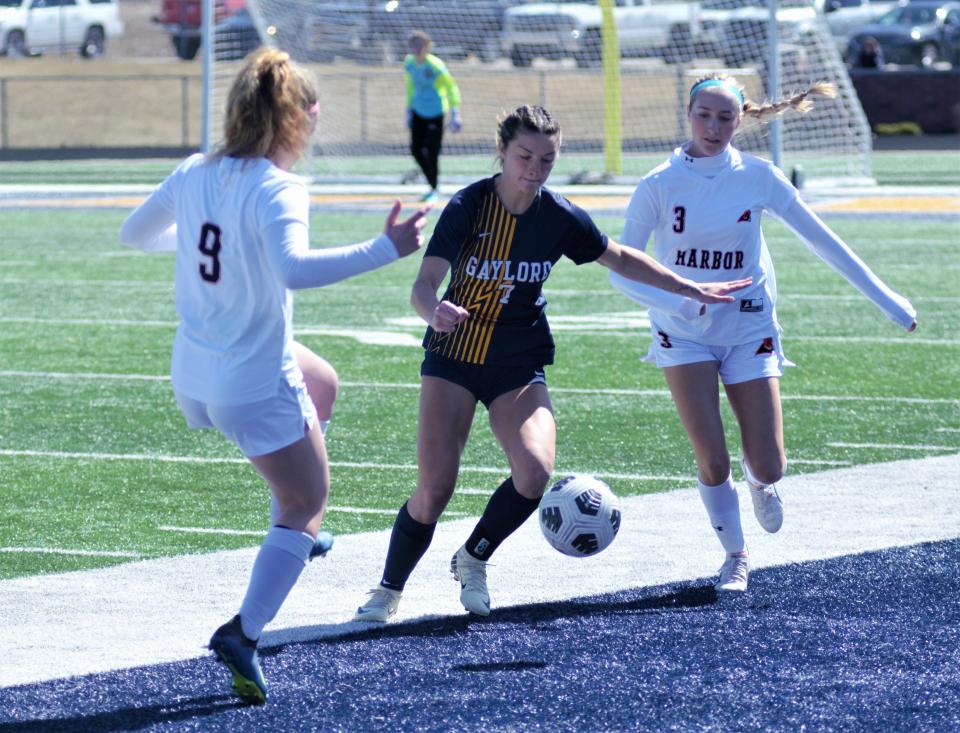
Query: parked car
(707,36)
(332,29)
(746,29)
(846,16)
(573,29)
(33,26)
(919,33)
(235,36)
(181,19)
(458,28)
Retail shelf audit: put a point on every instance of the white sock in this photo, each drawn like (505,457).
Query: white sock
(751,479)
(723,508)
(274,505)
(282,557)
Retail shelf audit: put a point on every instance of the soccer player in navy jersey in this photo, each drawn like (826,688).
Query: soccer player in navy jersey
(488,341)
(703,207)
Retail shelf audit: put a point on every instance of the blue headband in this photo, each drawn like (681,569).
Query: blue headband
(725,83)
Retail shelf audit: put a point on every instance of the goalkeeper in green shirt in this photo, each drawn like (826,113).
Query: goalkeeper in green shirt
(431,95)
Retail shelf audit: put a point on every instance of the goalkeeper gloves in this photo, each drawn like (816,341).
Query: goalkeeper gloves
(454,124)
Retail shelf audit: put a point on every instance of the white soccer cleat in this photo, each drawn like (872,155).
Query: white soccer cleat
(472,574)
(767,506)
(734,574)
(380,607)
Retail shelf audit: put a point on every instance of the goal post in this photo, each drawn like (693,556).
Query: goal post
(505,53)
(612,102)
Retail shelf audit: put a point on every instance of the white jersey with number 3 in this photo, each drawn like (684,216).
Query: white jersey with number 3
(708,230)
(705,216)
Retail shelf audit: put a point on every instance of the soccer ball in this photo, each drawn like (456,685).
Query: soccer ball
(580,515)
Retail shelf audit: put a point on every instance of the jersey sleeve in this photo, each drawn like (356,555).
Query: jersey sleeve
(286,235)
(584,241)
(643,215)
(451,230)
(832,250)
(447,86)
(782,193)
(151,227)
(408,79)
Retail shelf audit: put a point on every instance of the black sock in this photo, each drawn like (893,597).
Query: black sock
(504,514)
(408,541)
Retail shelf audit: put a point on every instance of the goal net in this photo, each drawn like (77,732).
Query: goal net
(505,53)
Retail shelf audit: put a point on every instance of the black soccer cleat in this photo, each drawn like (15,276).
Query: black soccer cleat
(321,545)
(239,654)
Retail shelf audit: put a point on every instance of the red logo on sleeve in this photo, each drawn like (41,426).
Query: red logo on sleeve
(745,216)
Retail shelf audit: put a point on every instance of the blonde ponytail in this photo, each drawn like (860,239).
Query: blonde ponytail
(764,112)
(269,107)
(800,103)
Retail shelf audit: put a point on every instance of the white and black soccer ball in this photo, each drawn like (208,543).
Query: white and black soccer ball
(580,515)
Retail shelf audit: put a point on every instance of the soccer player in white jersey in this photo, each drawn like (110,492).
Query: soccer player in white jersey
(239,222)
(703,207)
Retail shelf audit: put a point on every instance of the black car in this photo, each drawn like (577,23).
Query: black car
(919,33)
(458,28)
(235,36)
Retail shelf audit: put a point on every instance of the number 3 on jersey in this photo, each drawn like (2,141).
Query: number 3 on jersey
(210,247)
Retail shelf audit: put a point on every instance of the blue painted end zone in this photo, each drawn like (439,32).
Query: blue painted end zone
(860,643)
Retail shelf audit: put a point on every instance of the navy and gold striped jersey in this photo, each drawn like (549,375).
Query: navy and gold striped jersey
(499,263)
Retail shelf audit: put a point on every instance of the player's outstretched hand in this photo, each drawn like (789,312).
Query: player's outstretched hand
(716,292)
(447,316)
(407,235)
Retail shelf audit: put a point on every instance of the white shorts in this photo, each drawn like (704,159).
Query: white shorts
(741,363)
(260,427)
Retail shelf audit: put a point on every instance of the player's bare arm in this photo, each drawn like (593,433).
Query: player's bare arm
(640,266)
(442,316)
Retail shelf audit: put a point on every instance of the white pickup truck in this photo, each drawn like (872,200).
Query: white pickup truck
(677,30)
(573,29)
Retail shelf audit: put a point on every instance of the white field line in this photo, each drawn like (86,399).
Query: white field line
(140,285)
(947,430)
(388,336)
(495,470)
(261,533)
(405,337)
(894,446)
(624,392)
(62,551)
(212,530)
(118,620)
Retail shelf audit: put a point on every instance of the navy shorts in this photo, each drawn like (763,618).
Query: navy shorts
(485,382)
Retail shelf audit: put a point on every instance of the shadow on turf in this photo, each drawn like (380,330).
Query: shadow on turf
(631,601)
(129,718)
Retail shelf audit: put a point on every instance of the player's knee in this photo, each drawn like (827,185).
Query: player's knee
(768,469)
(714,470)
(429,501)
(303,510)
(531,480)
